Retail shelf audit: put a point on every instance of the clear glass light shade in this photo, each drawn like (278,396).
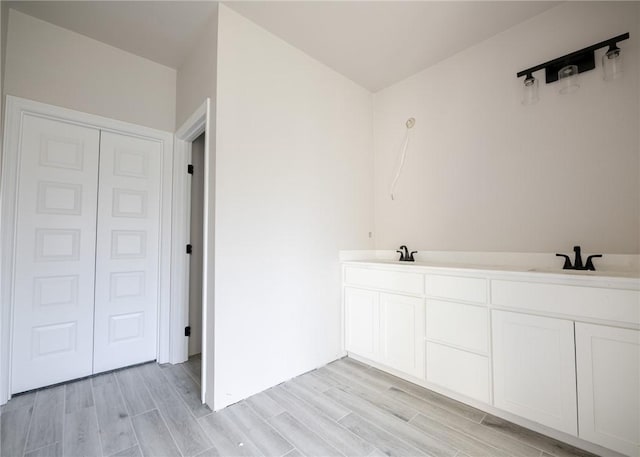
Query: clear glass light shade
(612,64)
(568,77)
(530,94)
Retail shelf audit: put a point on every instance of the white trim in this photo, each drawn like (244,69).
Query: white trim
(193,127)
(16,108)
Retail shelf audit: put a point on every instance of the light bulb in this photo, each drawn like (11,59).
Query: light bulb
(612,63)
(530,94)
(568,77)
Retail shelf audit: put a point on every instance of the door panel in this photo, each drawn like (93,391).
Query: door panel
(402,327)
(55,253)
(127,251)
(196,240)
(534,368)
(608,364)
(362,322)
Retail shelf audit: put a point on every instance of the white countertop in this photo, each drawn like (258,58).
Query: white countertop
(625,275)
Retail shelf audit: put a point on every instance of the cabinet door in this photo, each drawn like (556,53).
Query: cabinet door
(55,253)
(402,333)
(362,322)
(534,368)
(608,363)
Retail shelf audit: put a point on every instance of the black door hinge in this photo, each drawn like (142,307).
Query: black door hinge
(189,249)
(187,330)
(190,169)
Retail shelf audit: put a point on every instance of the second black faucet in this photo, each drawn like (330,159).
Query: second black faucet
(577,264)
(405,255)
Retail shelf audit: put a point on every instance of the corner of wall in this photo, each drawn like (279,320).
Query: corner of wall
(196,76)
(294,165)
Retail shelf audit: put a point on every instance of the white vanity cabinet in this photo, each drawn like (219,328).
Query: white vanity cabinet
(384,318)
(534,368)
(608,370)
(558,353)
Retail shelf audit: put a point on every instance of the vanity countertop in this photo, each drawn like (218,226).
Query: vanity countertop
(629,279)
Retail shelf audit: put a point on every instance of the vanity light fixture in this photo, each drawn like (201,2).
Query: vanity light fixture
(566,68)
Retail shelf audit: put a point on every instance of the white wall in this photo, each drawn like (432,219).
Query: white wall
(4,22)
(485,173)
(54,65)
(293,186)
(196,79)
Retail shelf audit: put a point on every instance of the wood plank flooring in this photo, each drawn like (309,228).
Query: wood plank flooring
(343,409)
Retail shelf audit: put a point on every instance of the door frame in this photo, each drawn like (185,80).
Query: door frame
(192,128)
(16,109)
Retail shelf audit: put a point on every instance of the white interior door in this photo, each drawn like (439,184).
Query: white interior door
(126,312)
(55,253)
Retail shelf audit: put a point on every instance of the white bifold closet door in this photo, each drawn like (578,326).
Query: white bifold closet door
(126,318)
(86,272)
(55,253)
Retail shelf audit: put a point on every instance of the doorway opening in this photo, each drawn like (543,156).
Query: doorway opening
(191,284)
(194,318)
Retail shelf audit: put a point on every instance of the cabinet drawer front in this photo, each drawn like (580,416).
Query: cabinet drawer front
(457,288)
(608,362)
(458,371)
(396,281)
(592,302)
(465,326)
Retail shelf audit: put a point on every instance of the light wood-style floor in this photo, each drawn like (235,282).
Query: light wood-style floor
(343,409)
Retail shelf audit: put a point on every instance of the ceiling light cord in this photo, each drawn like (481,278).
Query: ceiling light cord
(403,155)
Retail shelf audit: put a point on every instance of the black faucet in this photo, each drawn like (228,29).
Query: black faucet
(577,263)
(405,255)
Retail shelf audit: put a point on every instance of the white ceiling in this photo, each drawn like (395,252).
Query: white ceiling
(162,31)
(373,43)
(379,43)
